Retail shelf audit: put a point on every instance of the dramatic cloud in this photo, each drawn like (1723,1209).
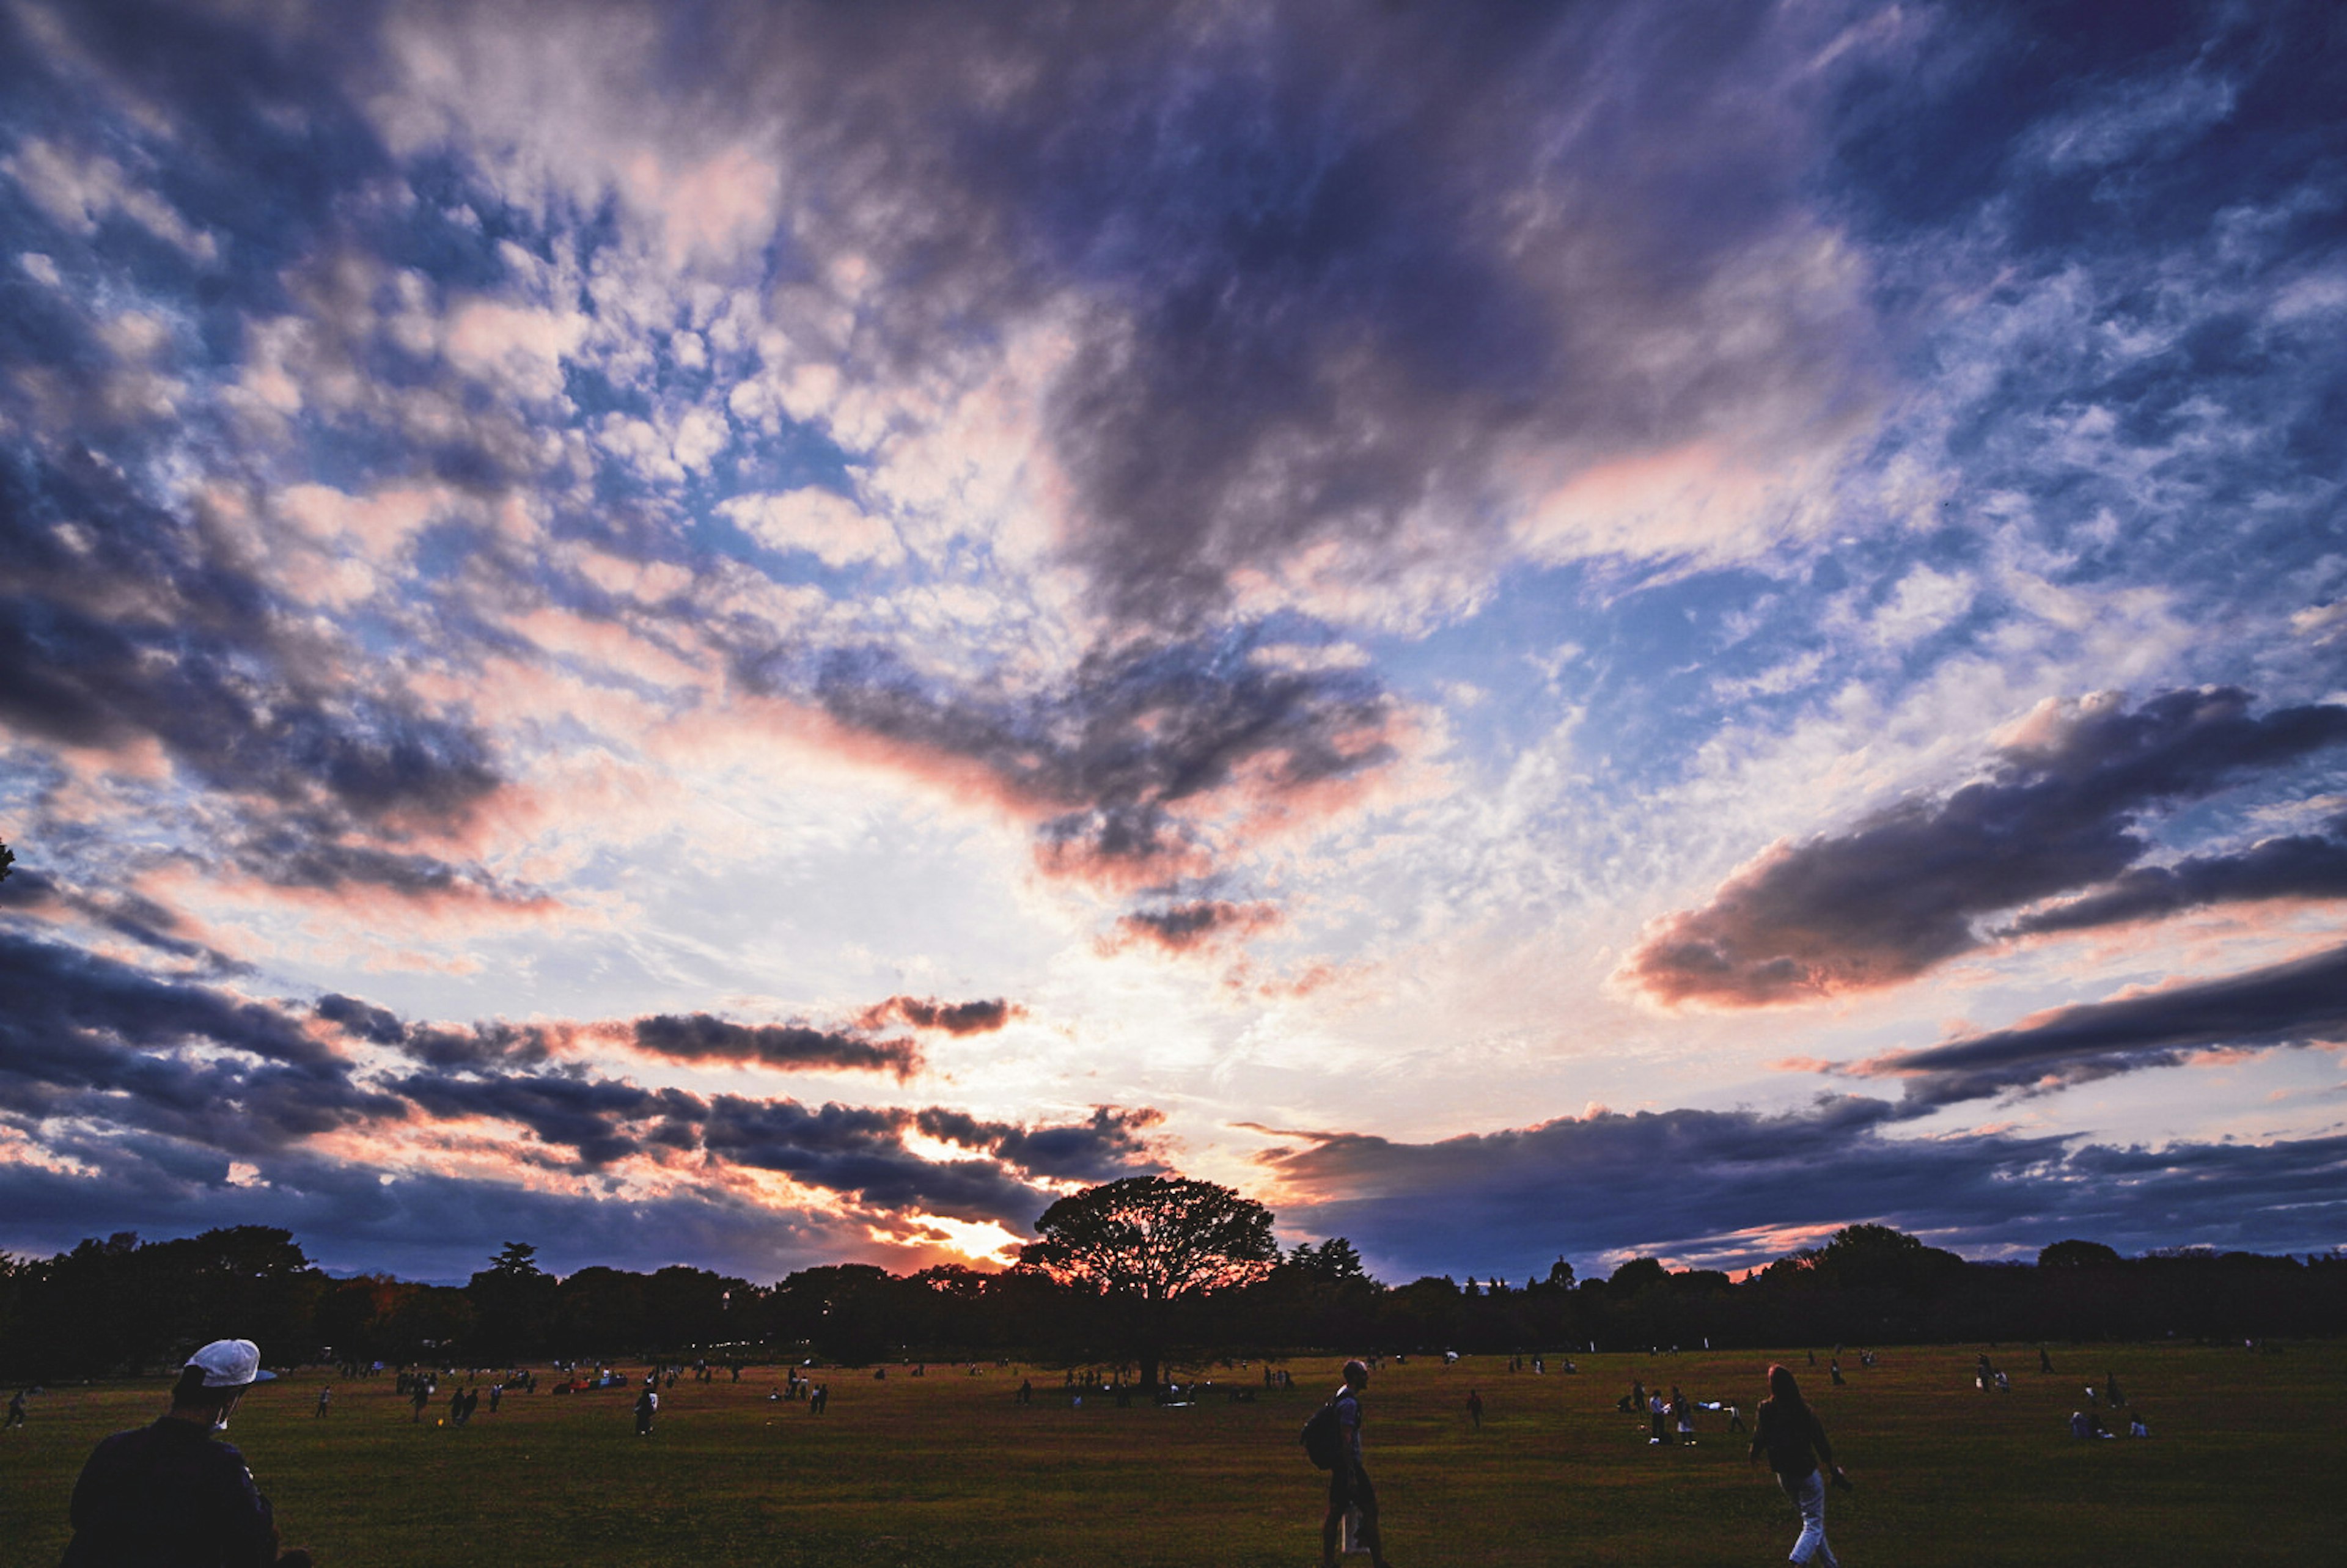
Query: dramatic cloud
(1180,927)
(1129,764)
(2298,1003)
(701,1038)
(1111,1144)
(928,1012)
(2302,865)
(1904,889)
(579,536)
(1732,1188)
(85,1037)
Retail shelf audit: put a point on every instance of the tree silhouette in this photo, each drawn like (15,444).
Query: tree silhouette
(1147,1242)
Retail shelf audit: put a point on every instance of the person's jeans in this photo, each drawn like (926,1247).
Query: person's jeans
(1809,1496)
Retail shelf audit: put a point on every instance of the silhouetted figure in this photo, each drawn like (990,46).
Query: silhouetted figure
(1348,1481)
(1475,1407)
(325,1398)
(166,1493)
(1789,1434)
(647,1403)
(2044,1362)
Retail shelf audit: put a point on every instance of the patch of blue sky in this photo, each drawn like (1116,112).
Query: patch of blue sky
(453,230)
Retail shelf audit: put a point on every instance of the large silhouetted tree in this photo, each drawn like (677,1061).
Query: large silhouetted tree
(1147,1242)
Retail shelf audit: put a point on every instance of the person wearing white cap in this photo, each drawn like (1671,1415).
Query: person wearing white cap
(166,1496)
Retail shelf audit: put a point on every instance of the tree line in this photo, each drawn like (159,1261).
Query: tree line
(1147,1272)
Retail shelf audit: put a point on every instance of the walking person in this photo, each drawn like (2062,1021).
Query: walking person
(1475,1407)
(325,1398)
(646,1403)
(15,1411)
(166,1493)
(1788,1432)
(1348,1481)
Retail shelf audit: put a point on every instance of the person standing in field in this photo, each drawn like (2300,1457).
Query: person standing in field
(166,1493)
(1348,1481)
(646,1403)
(1475,1407)
(1788,1433)
(15,1411)
(325,1398)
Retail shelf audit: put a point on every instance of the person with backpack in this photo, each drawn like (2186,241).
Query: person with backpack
(1333,1438)
(1789,1432)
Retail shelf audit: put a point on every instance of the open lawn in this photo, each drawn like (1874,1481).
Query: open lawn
(2245,1466)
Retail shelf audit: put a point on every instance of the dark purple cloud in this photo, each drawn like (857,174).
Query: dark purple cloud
(698,1037)
(421,1227)
(1141,737)
(602,1119)
(953,1018)
(85,1037)
(36,893)
(1112,1142)
(1904,889)
(2301,1002)
(1180,927)
(2301,866)
(1731,1186)
(1333,266)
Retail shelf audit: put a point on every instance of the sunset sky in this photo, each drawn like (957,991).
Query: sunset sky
(758,634)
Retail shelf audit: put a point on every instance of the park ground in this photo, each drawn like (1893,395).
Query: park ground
(2244,1467)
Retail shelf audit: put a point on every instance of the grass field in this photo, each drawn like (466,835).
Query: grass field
(2245,1466)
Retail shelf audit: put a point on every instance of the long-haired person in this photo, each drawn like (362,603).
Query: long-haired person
(167,1494)
(1790,1433)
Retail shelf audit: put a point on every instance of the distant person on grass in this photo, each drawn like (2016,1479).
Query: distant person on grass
(1475,1407)
(1788,1433)
(166,1494)
(1349,1482)
(15,1411)
(646,1403)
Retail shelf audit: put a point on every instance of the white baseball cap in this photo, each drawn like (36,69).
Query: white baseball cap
(231,1364)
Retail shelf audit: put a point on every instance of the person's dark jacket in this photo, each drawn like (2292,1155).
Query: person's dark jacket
(167,1496)
(1787,1433)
